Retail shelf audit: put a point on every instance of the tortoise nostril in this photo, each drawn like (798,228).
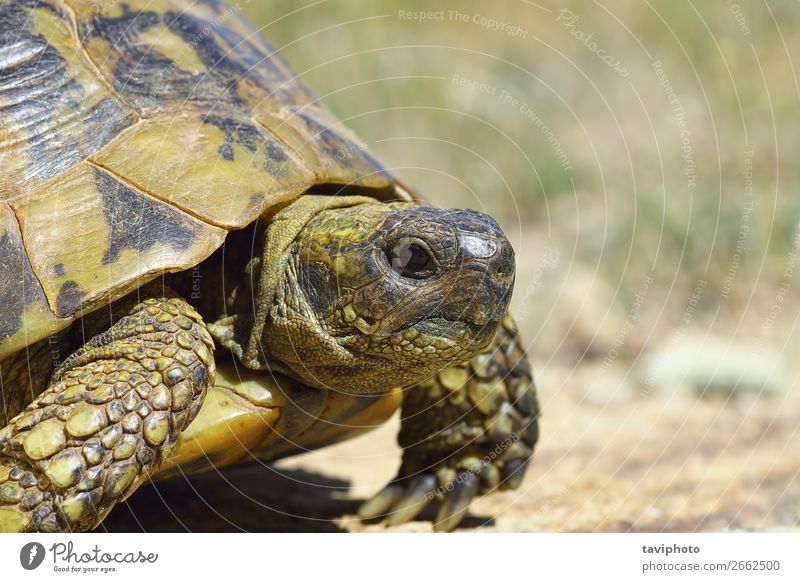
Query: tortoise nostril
(503,261)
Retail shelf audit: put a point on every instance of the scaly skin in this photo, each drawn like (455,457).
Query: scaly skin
(468,430)
(333,295)
(163,143)
(110,415)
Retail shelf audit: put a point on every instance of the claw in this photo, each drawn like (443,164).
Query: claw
(414,500)
(380,502)
(513,473)
(457,501)
(532,431)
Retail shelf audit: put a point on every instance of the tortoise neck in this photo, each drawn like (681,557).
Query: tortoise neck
(235,288)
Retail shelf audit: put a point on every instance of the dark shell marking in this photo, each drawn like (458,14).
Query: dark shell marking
(50,120)
(128,87)
(138,222)
(150,80)
(18,285)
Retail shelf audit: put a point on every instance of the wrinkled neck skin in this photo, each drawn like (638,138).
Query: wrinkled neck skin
(323,302)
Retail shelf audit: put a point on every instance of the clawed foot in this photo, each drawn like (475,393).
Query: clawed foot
(451,486)
(469,431)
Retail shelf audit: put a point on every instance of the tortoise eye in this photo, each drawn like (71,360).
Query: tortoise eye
(411,259)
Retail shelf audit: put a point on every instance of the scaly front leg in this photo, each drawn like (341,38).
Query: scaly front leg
(111,413)
(470,430)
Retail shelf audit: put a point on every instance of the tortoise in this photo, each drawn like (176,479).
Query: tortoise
(202,267)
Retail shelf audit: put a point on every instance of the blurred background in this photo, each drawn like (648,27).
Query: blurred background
(642,159)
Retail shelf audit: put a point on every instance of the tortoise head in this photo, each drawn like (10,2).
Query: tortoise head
(376,295)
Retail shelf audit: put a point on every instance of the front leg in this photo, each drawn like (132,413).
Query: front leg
(110,415)
(469,430)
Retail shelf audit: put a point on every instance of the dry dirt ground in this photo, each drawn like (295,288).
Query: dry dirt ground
(637,463)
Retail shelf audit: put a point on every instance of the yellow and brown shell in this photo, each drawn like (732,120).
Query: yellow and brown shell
(133,136)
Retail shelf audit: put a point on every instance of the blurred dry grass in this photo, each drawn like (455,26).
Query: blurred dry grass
(588,162)
(625,191)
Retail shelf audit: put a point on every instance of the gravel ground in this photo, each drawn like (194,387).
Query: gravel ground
(637,463)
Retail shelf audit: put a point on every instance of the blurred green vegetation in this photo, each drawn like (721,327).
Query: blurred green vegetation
(524,117)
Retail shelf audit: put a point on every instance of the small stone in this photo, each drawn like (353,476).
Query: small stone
(156,428)
(86,420)
(46,438)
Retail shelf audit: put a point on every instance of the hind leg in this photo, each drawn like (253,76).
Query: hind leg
(108,418)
